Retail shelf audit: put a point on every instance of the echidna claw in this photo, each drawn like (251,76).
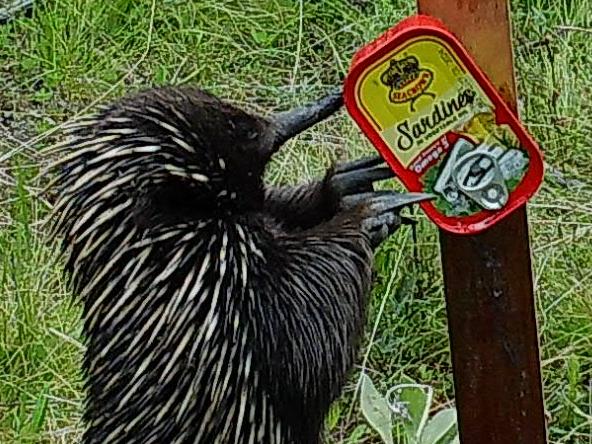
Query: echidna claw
(359,181)
(384,201)
(359,164)
(358,176)
(384,206)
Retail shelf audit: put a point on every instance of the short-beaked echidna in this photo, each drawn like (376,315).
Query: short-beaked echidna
(216,309)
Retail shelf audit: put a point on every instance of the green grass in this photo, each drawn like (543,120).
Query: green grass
(269,55)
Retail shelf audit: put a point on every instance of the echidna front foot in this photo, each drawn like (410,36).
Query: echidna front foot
(383,208)
(353,182)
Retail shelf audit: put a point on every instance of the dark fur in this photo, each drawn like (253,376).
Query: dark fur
(293,278)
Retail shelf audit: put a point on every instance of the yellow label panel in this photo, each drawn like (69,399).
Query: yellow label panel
(416,93)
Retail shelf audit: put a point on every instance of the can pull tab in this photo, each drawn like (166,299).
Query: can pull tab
(479,176)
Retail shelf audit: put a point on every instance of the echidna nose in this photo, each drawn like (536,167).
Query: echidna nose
(290,123)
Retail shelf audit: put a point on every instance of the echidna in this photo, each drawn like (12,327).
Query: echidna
(216,309)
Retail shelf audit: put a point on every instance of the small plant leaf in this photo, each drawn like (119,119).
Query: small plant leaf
(260,37)
(376,409)
(417,398)
(439,427)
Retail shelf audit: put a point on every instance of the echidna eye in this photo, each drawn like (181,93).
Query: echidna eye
(252,135)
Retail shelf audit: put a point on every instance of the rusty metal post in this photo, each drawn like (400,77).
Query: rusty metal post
(488,277)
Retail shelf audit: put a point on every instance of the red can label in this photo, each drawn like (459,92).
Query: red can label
(442,127)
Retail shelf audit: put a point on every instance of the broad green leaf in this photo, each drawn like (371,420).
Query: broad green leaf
(260,37)
(417,398)
(376,409)
(439,427)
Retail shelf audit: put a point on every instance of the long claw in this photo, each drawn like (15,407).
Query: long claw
(359,164)
(359,180)
(293,122)
(384,201)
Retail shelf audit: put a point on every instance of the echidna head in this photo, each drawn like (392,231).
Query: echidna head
(252,140)
(244,143)
(182,152)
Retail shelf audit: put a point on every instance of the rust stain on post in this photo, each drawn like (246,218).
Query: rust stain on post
(488,277)
(483,27)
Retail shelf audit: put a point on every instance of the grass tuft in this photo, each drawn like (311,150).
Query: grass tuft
(269,55)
